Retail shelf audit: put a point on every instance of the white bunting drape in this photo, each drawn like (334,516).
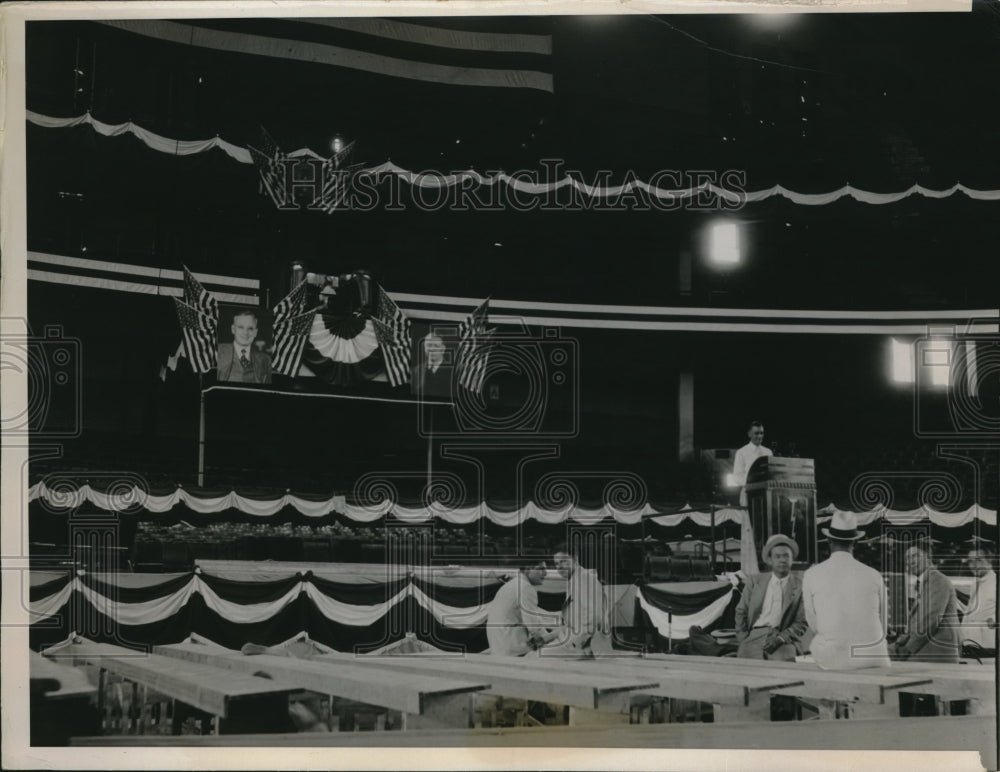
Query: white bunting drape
(129,499)
(518,182)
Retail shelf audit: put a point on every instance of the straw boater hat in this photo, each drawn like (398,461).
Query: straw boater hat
(843,526)
(778,540)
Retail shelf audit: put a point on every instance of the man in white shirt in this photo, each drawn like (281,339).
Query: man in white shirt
(845,603)
(586,623)
(979,620)
(746,455)
(770,619)
(514,622)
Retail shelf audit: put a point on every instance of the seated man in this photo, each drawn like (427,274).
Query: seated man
(932,626)
(770,617)
(586,623)
(980,613)
(514,620)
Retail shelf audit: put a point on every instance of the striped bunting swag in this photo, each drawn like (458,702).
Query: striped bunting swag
(473,348)
(392,329)
(290,336)
(199,331)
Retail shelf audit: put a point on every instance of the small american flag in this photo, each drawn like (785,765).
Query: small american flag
(291,304)
(473,348)
(392,329)
(268,162)
(290,335)
(198,297)
(337,178)
(198,331)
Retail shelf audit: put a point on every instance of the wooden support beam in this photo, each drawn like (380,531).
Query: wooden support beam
(450,711)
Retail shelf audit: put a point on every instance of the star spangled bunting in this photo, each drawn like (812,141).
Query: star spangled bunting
(198,297)
(198,331)
(392,329)
(290,336)
(473,348)
(292,304)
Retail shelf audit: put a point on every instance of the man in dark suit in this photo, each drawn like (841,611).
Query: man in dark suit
(770,617)
(932,627)
(241,361)
(432,374)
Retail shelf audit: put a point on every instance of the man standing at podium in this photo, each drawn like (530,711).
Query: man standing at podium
(746,455)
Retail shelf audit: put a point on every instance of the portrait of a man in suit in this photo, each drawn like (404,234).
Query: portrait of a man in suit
(434,368)
(243,360)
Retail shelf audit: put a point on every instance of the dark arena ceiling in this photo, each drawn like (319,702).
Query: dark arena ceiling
(879,102)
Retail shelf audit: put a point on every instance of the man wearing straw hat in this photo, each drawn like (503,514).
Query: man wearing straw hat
(845,603)
(770,619)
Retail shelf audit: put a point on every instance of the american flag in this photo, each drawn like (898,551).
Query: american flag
(198,330)
(337,178)
(268,162)
(291,304)
(392,329)
(290,336)
(198,297)
(473,348)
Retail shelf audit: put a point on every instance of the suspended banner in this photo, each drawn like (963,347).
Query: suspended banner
(519,184)
(374,58)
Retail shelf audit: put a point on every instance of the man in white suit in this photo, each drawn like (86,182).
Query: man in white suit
(845,603)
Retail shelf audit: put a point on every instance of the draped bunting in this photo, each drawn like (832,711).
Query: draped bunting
(686,598)
(518,183)
(677,626)
(133,498)
(920,515)
(348,349)
(456,604)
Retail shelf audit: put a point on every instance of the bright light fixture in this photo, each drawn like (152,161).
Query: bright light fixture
(724,243)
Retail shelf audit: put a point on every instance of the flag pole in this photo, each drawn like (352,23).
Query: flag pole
(201,432)
(430,427)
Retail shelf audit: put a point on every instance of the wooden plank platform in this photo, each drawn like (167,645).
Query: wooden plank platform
(411,693)
(945,733)
(57,682)
(868,686)
(698,685)
(200,686)
(508,678)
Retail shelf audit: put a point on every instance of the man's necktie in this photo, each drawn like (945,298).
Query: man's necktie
(918,587)
(243,360)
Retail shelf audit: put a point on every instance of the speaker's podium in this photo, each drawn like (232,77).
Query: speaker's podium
(781,498)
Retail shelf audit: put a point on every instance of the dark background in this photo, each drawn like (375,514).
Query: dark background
(877,101)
